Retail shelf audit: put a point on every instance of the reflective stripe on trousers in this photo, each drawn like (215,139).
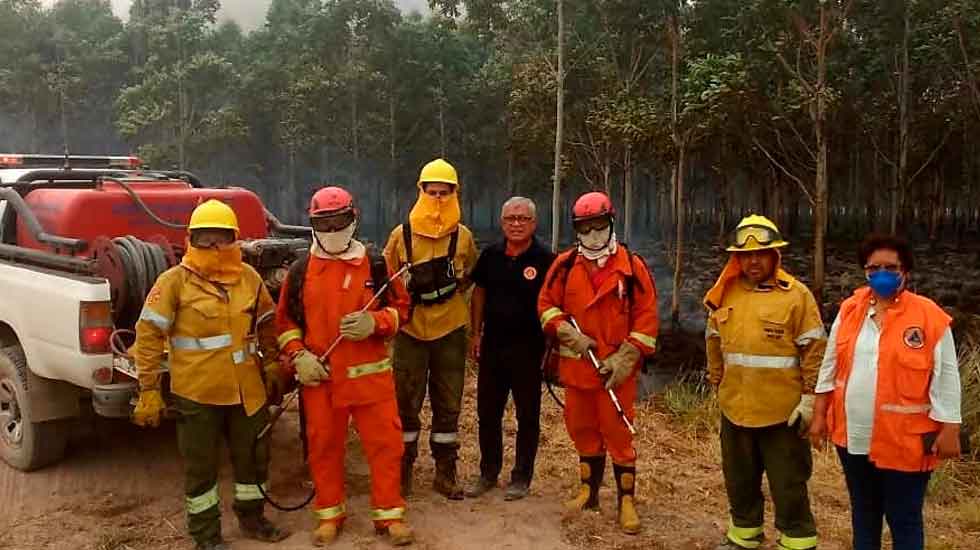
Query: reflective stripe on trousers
(202,502)
(379,514)
(797,543)
(330,513)
(746,537)
(249,491)
(449,437)
(761,361)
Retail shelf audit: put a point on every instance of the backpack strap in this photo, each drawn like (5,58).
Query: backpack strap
(451,254)
(379,273)
(294,294)
(407,239)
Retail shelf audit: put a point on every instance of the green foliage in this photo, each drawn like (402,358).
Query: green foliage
(337,86)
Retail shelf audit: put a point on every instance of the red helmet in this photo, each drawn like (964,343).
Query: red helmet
(592,205)
(331,201)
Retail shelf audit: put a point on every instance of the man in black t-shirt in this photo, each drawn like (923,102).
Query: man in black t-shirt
(508,343)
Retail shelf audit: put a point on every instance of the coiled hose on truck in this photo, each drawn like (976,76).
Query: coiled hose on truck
(141,263)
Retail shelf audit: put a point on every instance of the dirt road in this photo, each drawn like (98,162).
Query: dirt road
(120,488)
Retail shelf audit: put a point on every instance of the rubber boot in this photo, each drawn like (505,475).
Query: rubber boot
(326,533)
(398,532)
(629,520)
(408,465)
(590,469)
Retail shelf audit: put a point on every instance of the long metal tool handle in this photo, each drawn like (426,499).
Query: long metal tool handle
(612,394)
(366,307)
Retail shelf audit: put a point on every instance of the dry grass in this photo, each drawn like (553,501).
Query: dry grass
(688,459)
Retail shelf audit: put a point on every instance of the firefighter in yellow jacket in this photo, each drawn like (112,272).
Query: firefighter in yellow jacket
(430,350)
(214,315)
(765,342)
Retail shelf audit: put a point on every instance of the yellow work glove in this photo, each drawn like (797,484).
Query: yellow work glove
(573,339)
(148,409)
(275,382)
(309,369)
(357,326)
(803,412)
(618,366)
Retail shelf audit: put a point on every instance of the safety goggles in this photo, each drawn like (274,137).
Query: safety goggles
(585,227)
(212,238)
(761,234)
(332,222)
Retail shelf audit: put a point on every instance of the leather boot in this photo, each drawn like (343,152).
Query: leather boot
(326,533)
(590,469)
(629,520)
(258,527)
(445,481)
(398,532)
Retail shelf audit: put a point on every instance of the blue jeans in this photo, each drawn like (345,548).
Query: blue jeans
(878,494)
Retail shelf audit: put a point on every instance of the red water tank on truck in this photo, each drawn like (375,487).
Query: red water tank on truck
(82,240)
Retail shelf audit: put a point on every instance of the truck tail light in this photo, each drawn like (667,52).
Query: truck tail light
(11,160)
(94,327)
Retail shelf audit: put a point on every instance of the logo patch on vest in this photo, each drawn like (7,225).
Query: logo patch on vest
(913,338)
(775,332)
(530,273)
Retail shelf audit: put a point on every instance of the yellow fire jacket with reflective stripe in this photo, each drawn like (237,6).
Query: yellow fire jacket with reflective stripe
(764,345)
(431,322)
(206,331)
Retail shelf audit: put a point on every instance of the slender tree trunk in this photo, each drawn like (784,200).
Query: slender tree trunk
(628,194)
(511,182)
(675,303)
(559,129)
(898,197)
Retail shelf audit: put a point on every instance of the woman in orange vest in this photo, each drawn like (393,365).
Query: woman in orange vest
(888,396)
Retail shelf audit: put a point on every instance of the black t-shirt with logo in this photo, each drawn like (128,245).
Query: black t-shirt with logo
(511,284)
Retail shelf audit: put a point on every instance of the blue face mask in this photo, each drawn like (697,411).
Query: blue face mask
(885,283)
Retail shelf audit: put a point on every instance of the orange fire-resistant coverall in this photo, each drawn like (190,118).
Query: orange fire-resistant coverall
(598,299)
(361,384)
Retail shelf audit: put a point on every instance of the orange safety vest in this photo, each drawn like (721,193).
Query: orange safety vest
(361,372)
(911,330)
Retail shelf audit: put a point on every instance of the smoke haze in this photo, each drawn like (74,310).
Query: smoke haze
(251,13)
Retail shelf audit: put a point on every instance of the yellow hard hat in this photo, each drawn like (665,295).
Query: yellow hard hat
(213,214)
(438,171)
(756,232)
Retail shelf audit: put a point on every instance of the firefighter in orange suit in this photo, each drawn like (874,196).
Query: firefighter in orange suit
(612,296)
(323,297)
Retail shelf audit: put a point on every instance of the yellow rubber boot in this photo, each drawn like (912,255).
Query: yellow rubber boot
(590,469)
(326,533)
(629,520)
(399,533)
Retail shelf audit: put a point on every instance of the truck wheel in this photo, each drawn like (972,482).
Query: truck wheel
(24,444)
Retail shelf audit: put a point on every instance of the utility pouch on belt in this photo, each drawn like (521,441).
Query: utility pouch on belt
(433,281)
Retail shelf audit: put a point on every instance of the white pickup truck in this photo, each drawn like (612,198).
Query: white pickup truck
(79,250)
